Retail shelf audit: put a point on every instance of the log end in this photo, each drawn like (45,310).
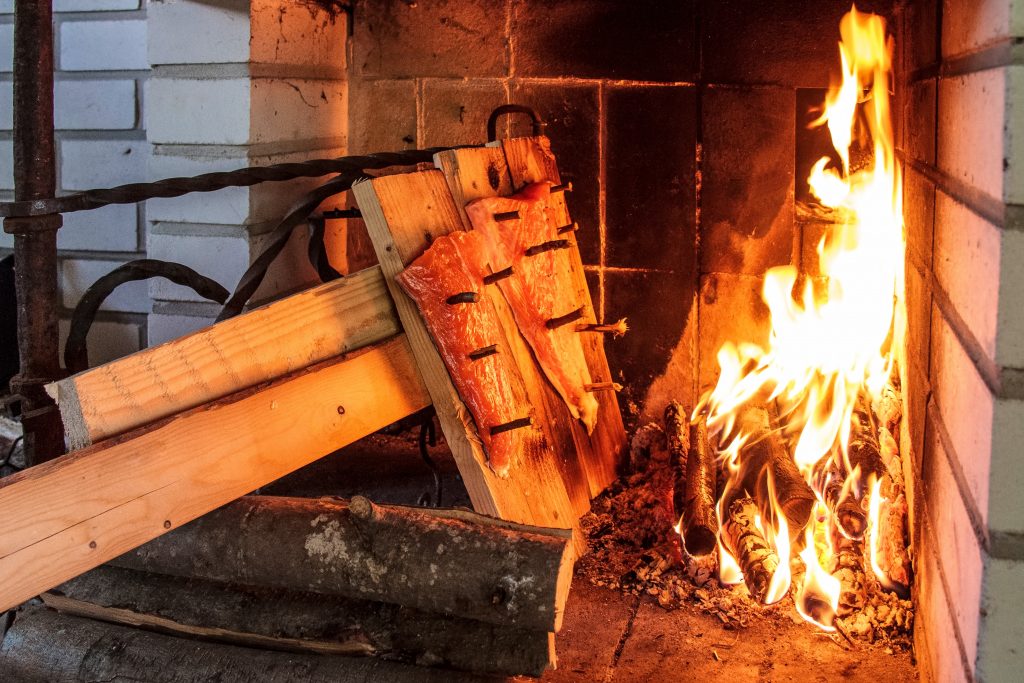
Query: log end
(700,540)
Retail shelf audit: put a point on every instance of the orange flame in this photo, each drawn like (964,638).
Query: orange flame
(835,337)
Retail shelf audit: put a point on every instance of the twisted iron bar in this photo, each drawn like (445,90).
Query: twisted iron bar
(209,182)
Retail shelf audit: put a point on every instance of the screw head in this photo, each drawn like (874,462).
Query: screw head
(341,410)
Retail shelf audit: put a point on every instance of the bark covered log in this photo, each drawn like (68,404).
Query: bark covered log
(46,647)
(756,559)
(677,436)
(443,561)
(294,621)
(700,521)
(765,453)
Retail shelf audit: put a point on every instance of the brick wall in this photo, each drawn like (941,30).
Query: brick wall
(675,121)
(961,143)
(101,140)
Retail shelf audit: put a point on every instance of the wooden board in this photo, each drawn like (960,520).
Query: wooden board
(258,346)
(403,214)
(531,160)
(71,514)
(477,172)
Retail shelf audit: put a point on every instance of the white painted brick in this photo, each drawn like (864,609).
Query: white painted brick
(87,164)
(162,327)
(297,110)
(111,228)
(1013,135)
(77,275)
(966,263)
(95,105)
(297,35)
(197,32)
(189,111)
(6,165)
(82,105)
(7,6)
(6,47)
(106,341)
(291,269)
(231,206)
(961,555)
(1001,655)
(966,406)
(934,624)
(222,258)
(1010,339)
(971,115)
(103,45)
(1005,511)
(94,5)
(968,25)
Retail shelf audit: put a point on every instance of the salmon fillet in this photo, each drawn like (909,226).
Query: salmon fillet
(446,282)
(541,290)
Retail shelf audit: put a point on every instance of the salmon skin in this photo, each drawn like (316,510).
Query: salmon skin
(446,282)
(519,232)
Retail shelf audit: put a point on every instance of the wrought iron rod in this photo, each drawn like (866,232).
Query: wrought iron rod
(35,239)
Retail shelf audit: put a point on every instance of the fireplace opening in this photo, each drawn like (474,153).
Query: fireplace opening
(710,303)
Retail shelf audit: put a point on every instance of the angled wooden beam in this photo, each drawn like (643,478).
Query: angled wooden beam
(258,346)
(74,513)
(403,214)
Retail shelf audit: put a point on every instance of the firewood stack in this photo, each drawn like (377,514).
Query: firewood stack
(167,436)
(403,585)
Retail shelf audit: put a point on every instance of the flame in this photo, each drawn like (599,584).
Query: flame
(818,597)
(777,535)
(832,338)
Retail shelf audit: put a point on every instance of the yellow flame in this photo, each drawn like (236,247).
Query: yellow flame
(818,598)
(875,503)
(833,337)
(777,535)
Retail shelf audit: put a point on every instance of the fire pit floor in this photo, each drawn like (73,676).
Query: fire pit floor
(609,636)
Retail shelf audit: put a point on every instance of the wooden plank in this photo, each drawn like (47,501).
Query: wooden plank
(258,346)
(76,512)
(403,214)
(531,160)
(477,172)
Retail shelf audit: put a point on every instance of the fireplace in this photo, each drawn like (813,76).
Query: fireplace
(685,131)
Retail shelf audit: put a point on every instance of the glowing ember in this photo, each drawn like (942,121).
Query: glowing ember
(832,340)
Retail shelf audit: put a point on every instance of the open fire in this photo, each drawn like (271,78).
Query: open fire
(803,428)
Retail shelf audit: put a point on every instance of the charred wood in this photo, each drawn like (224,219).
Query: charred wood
(755,557)
(677,436)
(700,521)
(848,568)
(444,561)
(293,621)
(764,454)
(43,646)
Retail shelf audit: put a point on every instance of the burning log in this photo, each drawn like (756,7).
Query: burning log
(848,512)
(291,621)
(697,504)
(764,453)
(848,568)
(443,561)
(748,546)
(44,646)
(677,434)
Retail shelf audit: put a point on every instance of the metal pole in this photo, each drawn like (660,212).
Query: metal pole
(35,238)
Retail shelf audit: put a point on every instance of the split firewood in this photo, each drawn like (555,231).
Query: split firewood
(293,621)
(848,568)
(700,521)
(765,453)
(846,508)
(444,561)
(755,557)
(43,646)
(894,557)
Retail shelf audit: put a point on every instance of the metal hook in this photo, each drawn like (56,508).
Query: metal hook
(492,120)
